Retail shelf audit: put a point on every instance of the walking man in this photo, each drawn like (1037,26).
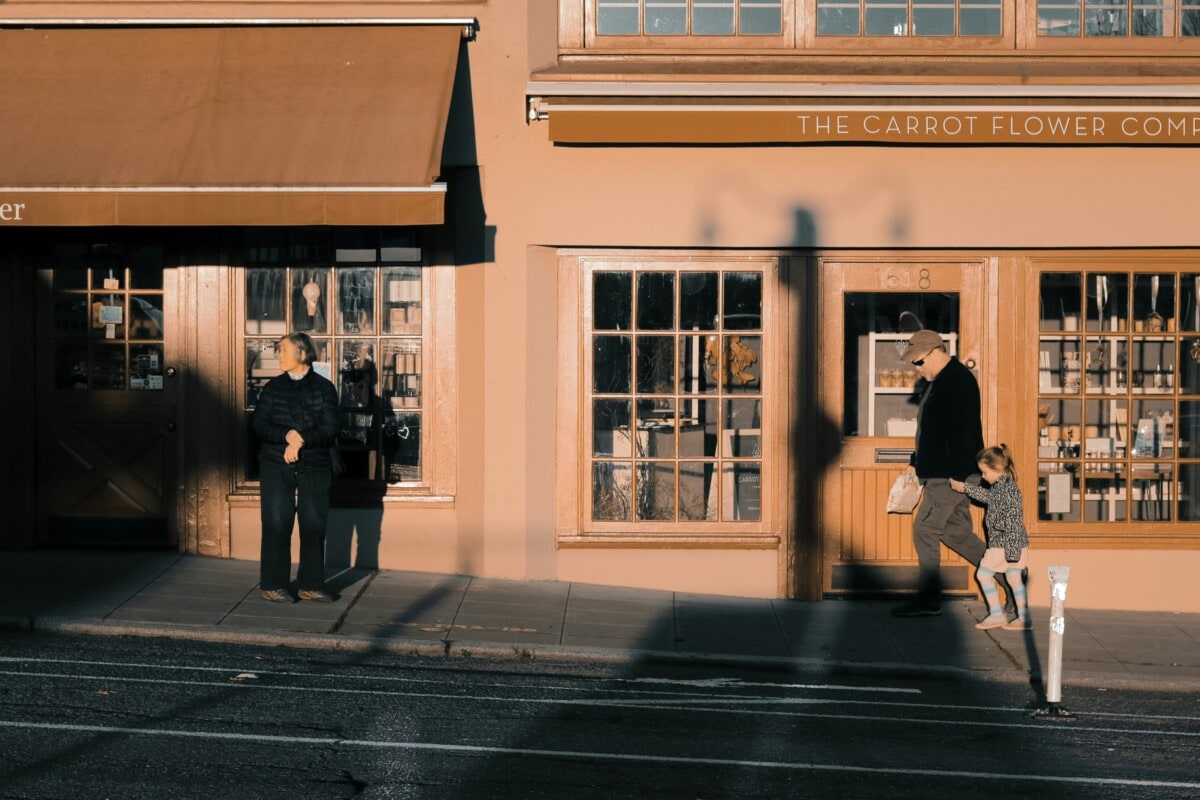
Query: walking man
(949,435)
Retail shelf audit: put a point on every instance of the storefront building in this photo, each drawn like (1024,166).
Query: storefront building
(612,291)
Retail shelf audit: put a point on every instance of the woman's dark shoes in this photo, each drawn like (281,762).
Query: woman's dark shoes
(276,596)
(316,596)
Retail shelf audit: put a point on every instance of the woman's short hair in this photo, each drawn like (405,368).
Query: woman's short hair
(306,351)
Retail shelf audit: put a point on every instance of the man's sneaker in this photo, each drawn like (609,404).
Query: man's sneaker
(316,596)
(992,621)
(917,608)
(276,596)
(1018,624)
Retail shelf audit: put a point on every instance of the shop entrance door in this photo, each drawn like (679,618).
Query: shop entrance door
(107,396)
(868,311)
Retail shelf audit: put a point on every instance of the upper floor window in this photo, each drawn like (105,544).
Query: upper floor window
(689,17)
(910,18)
(1160,18)
(893,25)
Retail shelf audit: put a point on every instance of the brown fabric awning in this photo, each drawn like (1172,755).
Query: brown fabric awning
(286,125)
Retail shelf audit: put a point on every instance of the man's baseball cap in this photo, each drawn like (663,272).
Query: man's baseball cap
(922,343)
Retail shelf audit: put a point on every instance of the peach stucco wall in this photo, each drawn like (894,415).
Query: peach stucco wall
(538,196)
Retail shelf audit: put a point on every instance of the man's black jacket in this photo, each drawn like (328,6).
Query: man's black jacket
(949,431)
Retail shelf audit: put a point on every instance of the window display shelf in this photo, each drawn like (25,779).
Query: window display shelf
(892,377)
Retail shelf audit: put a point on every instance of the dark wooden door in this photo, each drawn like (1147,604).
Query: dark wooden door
(107,397)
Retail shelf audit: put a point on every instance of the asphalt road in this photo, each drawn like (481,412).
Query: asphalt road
(97,717)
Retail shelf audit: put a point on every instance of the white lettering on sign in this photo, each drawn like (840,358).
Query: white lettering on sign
(1016,127)
(1078,125)
(825,124)
(1157,126)
(11,212)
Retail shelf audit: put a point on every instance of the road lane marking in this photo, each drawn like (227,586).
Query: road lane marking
(713,683)
(596,756)
(735,683)
(660,705)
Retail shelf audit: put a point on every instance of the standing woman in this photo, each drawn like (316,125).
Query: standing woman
(296,420)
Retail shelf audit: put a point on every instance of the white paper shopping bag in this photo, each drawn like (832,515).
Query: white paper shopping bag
(905,494)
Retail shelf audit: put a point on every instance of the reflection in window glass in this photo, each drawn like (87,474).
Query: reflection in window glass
(743,301)
(761,19)
(611,499)
(656,491)
(980,18)
(1189,492)
(610,428)
(881,391)
(713,18)
(933,18)
(401,446)
(696,500)
(366,321)
(145,316)
(612,303)
(695,17)
(656,364)
(617,19)
(266,302)
(656,301)
(837,21)
(98,314)
(674,460)
(356,300)
(310,300)
(1061,303)
(926,18)
(666,17)
(611,373)
(742,492)
(1105,18)
(698,301)
(1117,18)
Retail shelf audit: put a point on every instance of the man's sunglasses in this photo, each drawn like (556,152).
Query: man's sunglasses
(918,362)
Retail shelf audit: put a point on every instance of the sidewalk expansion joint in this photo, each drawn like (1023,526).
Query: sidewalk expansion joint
(337,625)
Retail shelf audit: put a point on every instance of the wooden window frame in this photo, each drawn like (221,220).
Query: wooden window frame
(1019,36)
(439,434)
(573,523)
(1119,534)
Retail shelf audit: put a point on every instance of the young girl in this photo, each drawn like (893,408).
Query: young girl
(1007,540)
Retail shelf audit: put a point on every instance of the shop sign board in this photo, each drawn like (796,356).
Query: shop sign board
(968,125)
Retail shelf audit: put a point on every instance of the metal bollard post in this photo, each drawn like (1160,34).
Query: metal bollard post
(1058,623)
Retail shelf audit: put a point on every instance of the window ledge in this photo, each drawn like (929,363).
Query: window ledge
(352,499)
(1025,72)
(667,541)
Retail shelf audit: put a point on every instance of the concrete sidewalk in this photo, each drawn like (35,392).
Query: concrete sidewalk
(194,597)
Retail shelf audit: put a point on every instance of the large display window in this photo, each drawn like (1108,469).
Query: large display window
(363,295)
(1118,388)
(678,397)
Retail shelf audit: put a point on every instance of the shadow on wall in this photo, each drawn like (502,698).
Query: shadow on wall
(202,425)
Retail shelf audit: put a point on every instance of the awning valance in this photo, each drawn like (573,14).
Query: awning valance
(260,125)
(937,104)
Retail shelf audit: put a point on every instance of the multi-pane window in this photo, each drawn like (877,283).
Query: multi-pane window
(689,17)
(1118,411)
(360,295)
(108,317)
(959,25)
(674,408)
(1119,18)
(909,17)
